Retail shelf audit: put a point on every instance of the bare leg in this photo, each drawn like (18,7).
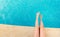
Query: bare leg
(36,31)
(42,32)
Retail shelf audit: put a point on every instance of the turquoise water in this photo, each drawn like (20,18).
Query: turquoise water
(23,12)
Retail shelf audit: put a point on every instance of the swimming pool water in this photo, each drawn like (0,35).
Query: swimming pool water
(23,12)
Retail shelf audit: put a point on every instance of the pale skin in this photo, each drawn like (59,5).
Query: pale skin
(39,30)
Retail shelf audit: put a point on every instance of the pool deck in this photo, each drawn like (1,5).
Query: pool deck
(24,31)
